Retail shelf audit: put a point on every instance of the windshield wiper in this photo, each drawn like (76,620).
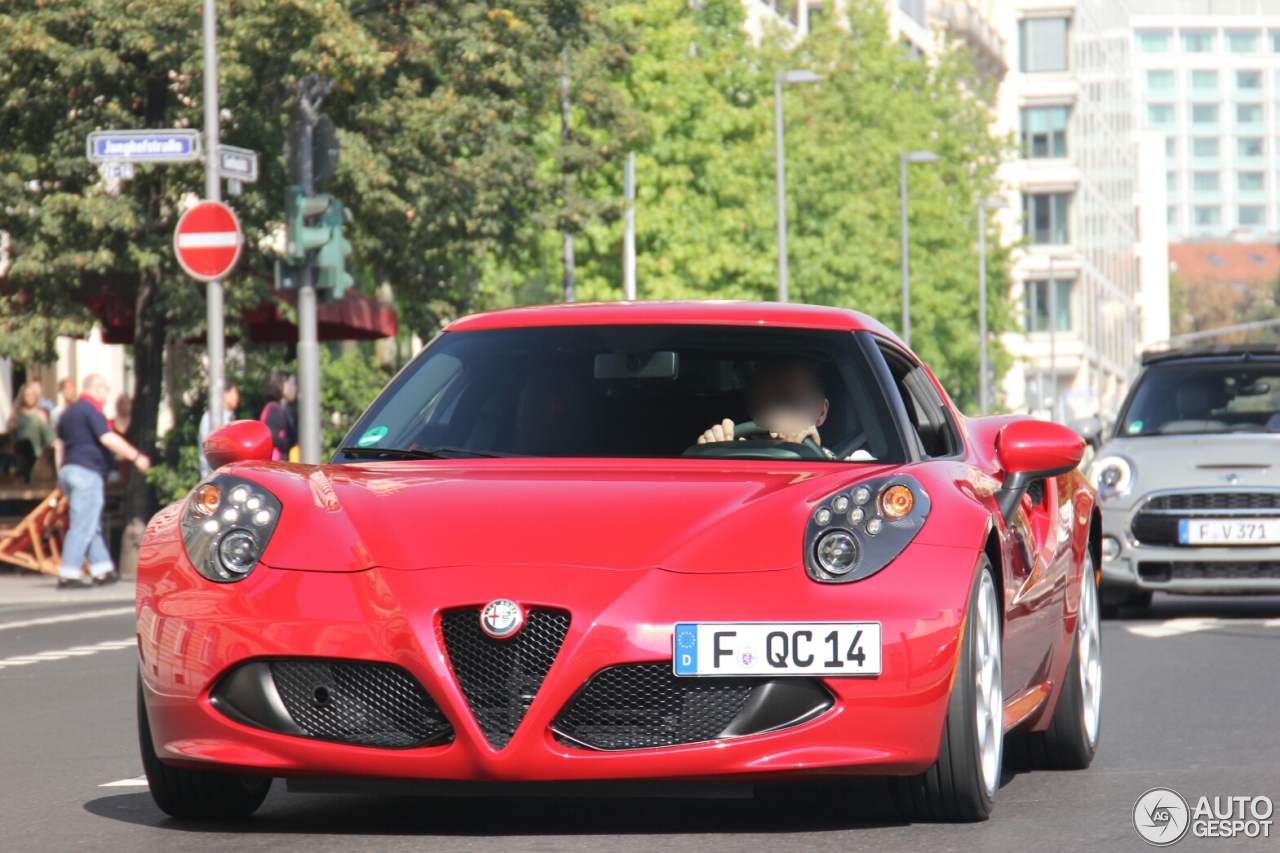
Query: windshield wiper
(417,452)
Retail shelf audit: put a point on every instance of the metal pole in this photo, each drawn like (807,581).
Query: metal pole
(906,272)
(780,185)
(309,94)
(982,311)
(1053,340)
(566,136)
(214,326)
(629,231)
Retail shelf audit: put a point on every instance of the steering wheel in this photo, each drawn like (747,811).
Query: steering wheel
(751,429)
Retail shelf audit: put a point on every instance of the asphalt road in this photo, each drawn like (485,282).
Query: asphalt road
(1191,692)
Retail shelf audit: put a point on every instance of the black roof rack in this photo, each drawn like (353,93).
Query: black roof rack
(1241,351)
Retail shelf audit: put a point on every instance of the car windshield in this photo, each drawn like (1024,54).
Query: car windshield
(631,391)
(1179,399)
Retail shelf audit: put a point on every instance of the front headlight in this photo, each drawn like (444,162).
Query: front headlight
(1112,476)
(226,525)
(850,536)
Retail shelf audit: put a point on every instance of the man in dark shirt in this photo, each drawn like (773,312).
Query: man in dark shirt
(89,451)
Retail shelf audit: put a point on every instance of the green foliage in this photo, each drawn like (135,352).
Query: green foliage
(348,384)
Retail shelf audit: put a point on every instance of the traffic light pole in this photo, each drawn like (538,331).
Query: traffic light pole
(215,330)
(311,90)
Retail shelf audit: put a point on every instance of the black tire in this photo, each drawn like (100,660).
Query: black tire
(196,794)
(953,789)
(1071,741)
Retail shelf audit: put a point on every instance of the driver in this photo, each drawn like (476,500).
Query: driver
(785,397)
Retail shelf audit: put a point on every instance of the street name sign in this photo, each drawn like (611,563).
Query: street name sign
(143,146)
(208,240)
(238,164)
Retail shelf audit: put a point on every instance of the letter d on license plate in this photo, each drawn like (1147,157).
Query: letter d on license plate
(815,649)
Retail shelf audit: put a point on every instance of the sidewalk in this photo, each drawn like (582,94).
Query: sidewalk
(30,588)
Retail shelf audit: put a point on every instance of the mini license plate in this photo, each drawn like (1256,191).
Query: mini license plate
(1236,531)
(823,649)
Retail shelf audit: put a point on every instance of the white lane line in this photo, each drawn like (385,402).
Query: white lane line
(63,654)
(135,782)
(68,617)
(1191,625)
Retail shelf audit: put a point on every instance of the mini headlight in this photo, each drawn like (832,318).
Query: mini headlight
(219,543)
(1110,548)
(1111,476)
(837,552)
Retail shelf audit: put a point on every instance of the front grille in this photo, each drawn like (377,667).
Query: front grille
(1155,529)
(368,704)
(642,706)
(1204,570)
(500,678)
(1193,501)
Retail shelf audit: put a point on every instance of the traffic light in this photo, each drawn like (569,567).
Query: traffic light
(320,244)
(301,238)
(331,260)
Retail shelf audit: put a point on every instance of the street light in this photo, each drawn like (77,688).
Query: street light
(984,368)
(903,159)
(779,78)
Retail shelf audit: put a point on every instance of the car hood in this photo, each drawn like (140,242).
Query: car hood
(1241,461)
(425,515)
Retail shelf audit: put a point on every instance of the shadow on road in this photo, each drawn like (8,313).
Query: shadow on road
(799,807)
(1164,606)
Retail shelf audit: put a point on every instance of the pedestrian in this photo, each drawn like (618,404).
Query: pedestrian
(66,390)
(89,451)
(230,402)
(45,402)
(282,389)
(30,423)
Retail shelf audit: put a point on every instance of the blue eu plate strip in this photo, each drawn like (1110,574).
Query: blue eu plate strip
(686,649)
(1184,531)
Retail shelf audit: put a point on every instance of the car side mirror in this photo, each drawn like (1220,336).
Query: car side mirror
(238,441)
(1031,450)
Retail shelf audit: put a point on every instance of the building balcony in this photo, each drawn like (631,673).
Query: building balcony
(964,21)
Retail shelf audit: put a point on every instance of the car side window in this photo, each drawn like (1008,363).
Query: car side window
(925,410)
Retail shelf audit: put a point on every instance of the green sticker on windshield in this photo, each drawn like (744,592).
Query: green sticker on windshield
(373,436)
(1135,427)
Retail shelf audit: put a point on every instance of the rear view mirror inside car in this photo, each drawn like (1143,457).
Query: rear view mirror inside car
(660,364)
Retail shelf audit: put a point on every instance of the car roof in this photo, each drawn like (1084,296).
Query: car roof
(1216,354)
(727,313)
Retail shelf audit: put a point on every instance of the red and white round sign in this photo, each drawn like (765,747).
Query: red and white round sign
(208,240)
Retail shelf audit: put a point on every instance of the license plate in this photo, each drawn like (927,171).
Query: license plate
(777,648)
(1236,531)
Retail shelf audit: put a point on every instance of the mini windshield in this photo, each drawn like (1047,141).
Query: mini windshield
(633,391)
(1175,399)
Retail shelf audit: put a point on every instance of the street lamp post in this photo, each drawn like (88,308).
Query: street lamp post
(780,182)
(984,366)
(903,159)
(215,335)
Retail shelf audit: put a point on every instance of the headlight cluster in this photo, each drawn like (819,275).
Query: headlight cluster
(861,529)
(226,525)
(1112,476)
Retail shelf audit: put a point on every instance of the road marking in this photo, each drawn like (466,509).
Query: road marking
(63,654)
(69,617)
(135,782)
(1191,625)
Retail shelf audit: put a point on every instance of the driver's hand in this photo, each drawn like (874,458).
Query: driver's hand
(722,431)
(799,437)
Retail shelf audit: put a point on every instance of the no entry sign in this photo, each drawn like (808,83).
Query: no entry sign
(207,240)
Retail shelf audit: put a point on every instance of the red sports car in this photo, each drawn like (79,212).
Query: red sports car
(662,548)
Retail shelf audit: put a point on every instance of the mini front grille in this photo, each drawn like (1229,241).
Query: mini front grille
(1203,570)
(1152,529)
(500,678)
(1213,501)
(642,706)
(368,704)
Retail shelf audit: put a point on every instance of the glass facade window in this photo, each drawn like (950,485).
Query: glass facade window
(1197,41)
(1153,41)
(1251,214)
(1171,181)
(1042,44)
(1160,81)
(1248,80)
(1242,41)
(1044,131)
(1159,113)
(1171,216)
(1170,146)
(1248,113)
(1045,217)
(1250,182)
(1204,146)
(1203,80)
(1207,215)
(1249,146)
(1275,42)
(1205,182)
(1038,314)
(1204,113)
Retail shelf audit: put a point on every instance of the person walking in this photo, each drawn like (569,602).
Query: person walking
(282,389)
(89,450)
(230,402)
